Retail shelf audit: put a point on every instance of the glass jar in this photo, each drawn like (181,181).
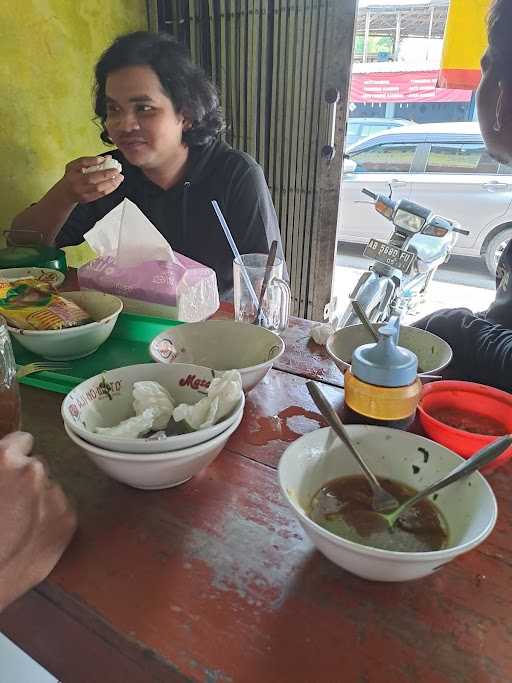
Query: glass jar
(10,405)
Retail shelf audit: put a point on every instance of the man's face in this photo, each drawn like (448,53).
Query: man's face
(499,143)
(141,120)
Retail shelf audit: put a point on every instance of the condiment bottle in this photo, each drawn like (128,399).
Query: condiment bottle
(382,386)
(10,406)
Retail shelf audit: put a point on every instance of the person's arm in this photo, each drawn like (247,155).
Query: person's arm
(51,212)
(251,213)
(482,350)
(36,519)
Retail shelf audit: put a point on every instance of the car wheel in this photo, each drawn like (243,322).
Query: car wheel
(495,248)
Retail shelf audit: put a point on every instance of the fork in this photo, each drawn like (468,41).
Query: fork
(24,370)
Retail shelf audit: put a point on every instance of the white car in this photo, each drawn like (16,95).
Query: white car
(443,166)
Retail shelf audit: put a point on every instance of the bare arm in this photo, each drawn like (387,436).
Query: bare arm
(52,211)
(36,519)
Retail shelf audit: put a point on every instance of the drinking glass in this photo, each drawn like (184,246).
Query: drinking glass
(10,406)
(275,307)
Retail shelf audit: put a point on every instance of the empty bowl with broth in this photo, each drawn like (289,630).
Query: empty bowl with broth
(75,342)
(155,470)
(221,345)
(433,353)
(107,399)
(467,507)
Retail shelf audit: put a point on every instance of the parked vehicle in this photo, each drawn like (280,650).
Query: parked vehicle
(404,264)
(360,128)
(444,166)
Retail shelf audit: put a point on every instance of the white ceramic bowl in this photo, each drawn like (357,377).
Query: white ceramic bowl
(75,342)
(155,470)
(433,353)
(46,275)
(469,505)
(105,400)
(221,345)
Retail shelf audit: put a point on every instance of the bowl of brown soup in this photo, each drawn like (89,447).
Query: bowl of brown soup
(324,488)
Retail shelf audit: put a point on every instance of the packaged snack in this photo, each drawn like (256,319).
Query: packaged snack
(29,304)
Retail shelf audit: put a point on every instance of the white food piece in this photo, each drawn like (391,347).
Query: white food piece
(320,333)
(105,165)
(153,395)
(131,428)
(223,394)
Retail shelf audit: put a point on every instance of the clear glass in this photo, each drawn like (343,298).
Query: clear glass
(10,405)
(275,306)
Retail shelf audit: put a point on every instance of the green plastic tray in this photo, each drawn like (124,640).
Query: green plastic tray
(127,345)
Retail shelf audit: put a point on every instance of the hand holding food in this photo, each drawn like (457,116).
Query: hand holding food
(36,519)
(90,178)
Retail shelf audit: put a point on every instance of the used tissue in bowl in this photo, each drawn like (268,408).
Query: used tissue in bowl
(223,394)
(153,408)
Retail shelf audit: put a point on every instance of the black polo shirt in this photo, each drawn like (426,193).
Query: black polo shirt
(184,215)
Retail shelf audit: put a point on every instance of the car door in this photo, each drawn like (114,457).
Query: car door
(461,183)
(382,164)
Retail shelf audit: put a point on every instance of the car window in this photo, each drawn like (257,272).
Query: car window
(386,158)
(460,158)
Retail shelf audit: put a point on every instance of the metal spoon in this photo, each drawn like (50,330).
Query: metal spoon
(478,460)
(382,501)
(359,311)
(258,320)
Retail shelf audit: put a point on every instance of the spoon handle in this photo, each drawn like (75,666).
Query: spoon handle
(481,458)
(337,425)
(266,277)
(359,311)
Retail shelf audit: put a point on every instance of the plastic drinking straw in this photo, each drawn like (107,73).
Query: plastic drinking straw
(235,251)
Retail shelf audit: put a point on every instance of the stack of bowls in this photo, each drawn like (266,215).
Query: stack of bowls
(145,463)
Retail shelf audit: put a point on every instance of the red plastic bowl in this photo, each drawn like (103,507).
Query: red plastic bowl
(470,397)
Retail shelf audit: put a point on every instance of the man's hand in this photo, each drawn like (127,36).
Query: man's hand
(36,519)
(82,188)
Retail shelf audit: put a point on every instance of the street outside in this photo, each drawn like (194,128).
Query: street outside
(462,282)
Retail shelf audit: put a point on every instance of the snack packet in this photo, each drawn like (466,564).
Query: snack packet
(29,304)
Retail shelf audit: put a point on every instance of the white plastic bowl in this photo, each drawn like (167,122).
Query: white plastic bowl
(105,400)
(469,505)
(155,470)
(221,345)
(433,353)
(75,342)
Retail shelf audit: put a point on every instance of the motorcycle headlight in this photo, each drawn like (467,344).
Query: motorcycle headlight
(408,221)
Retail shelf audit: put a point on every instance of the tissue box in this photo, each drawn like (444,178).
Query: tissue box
(181,289)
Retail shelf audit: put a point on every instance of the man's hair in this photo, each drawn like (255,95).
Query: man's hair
(185,84)
(500,43)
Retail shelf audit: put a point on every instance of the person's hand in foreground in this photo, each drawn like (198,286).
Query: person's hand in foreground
(36,519)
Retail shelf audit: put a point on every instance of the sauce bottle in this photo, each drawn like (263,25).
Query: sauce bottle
(382,386)
(10,406)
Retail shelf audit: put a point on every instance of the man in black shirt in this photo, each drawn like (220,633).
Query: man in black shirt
(482,343)
(163,115)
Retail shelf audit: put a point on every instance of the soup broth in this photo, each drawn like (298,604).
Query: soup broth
(344,507)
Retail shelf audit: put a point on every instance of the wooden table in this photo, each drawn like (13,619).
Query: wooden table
(215,581)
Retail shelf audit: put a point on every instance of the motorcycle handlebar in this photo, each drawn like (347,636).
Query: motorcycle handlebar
(460,231)
(369,193)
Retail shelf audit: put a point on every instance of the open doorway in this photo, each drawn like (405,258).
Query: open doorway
(414,140)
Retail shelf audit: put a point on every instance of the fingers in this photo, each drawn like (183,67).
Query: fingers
(15,447)
(87,187)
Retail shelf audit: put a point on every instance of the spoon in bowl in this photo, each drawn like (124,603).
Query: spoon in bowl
(479,459)
(382,500)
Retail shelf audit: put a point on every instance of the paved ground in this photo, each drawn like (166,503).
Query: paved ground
(462,282)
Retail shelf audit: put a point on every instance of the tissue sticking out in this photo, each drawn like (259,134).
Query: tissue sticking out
(155,409)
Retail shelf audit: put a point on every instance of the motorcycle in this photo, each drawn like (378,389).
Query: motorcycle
(403,267)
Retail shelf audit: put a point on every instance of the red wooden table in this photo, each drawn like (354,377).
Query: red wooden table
(215,581)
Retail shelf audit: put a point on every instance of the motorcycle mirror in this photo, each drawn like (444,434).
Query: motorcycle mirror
(390,196)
